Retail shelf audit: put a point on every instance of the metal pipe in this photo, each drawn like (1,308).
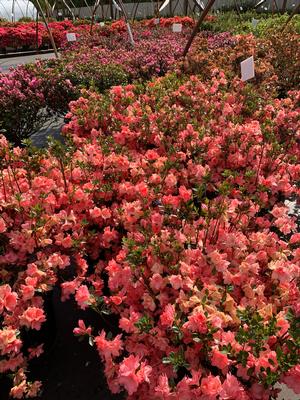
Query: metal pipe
(13,11)
(48,29)
(196,29)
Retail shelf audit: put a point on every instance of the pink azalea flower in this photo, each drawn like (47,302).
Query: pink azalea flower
(83,297)
(168,316)
(132,373)
(219,359)
(211,386)
(108,348)
(33,318)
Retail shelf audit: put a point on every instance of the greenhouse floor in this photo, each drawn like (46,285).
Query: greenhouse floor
(12,62)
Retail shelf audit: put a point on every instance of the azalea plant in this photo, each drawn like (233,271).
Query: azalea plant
(168,201)
(30,35)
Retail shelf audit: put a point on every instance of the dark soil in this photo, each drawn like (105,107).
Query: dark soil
(69,369)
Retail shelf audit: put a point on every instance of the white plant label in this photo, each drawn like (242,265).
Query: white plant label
(164,5)
(71,37)
(156,21)
(247,69)
(177,28)
(255,22)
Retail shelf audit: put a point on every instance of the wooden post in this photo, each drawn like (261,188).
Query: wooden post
(48,29)
(196,29)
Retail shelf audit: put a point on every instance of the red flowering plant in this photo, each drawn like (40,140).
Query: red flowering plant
(25,34)
(174,196)
(227,53)
(205,284)
(29,97)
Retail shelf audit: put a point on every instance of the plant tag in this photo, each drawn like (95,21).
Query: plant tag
(71,37)
(176,28)
(255,22)
(156,21)
(247,69)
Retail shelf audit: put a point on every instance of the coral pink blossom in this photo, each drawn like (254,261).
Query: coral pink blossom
(231,388)
(197,323)
(2,225)
(83,297)
(211,386)
(82,329)
(219,359)
(168,316)
(163,388)
(292,379)
(132,372)
(33,318)
(156,222)
(8,299)
(108,348)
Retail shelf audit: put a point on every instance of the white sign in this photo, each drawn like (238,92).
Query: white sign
(247,69)
(156,21)
(176,28)
(164,5)
(255,22)
(71,37)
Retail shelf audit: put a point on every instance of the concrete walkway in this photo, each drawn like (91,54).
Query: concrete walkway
(13,62)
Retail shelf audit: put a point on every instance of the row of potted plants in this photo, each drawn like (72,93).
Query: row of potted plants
(32,94)
(32,35)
